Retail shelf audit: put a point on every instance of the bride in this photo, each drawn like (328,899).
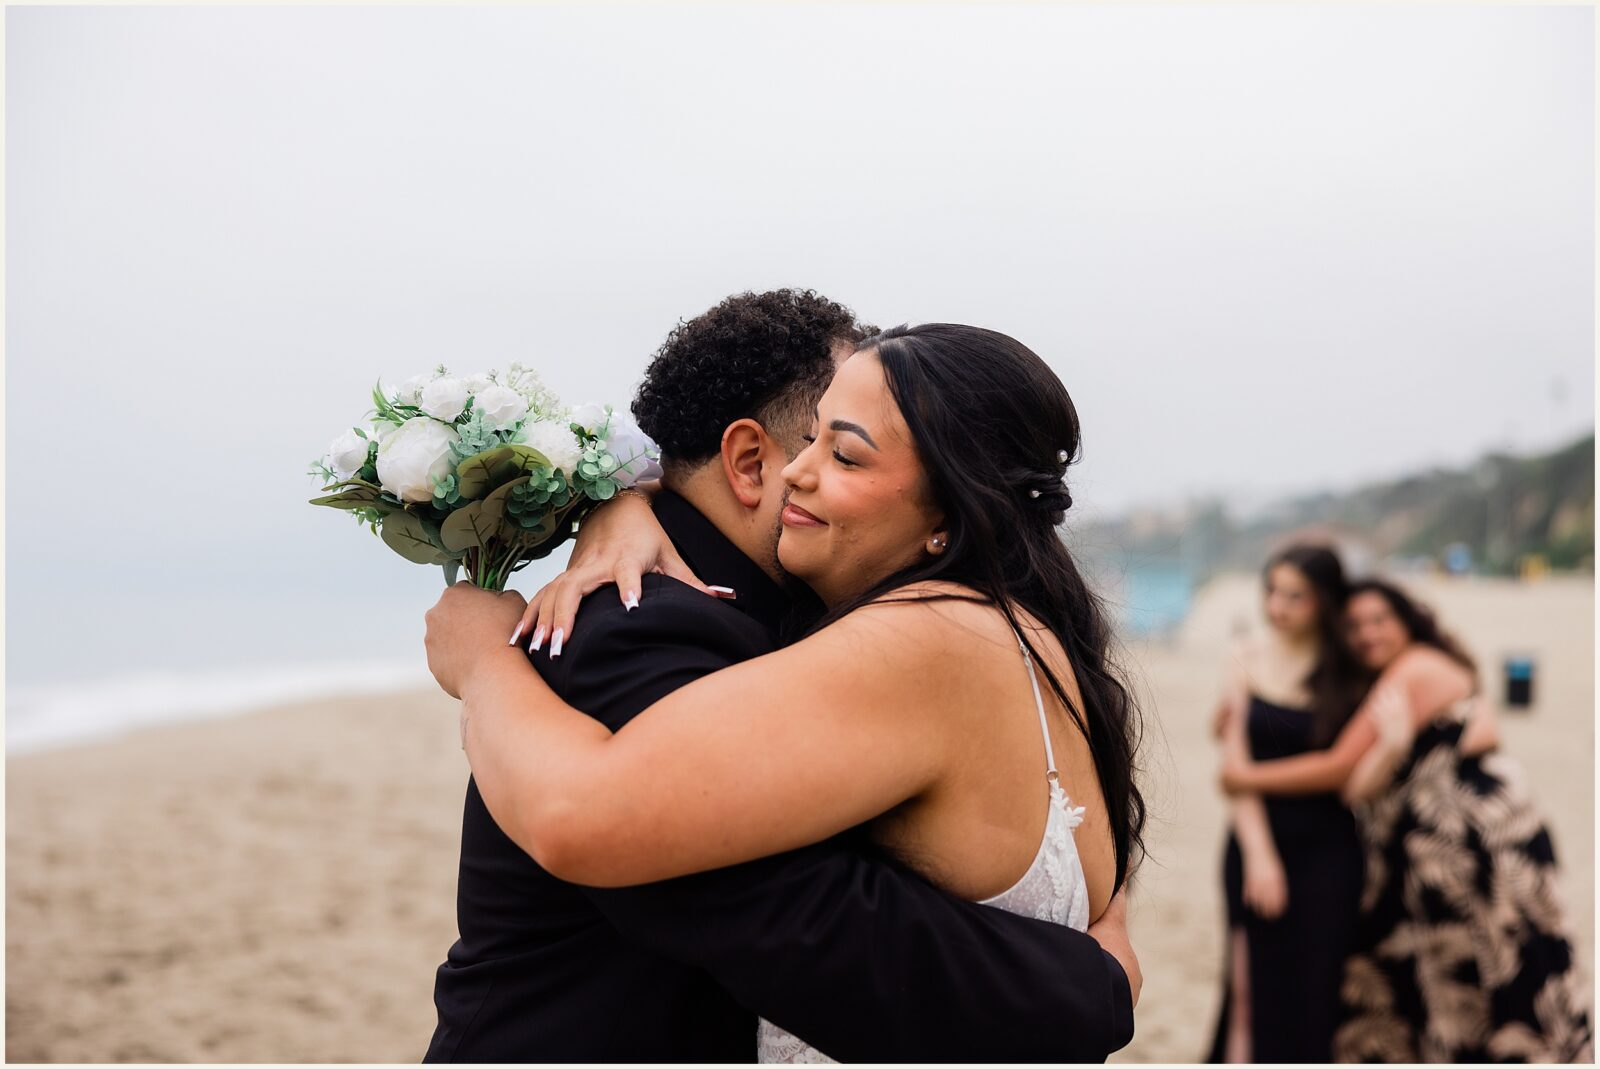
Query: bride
(957,697)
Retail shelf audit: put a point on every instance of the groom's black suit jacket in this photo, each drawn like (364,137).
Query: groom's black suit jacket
(852,952)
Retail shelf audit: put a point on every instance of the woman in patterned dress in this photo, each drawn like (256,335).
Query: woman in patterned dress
(1463,952)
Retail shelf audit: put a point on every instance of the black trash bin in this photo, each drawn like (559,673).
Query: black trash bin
(1519,682)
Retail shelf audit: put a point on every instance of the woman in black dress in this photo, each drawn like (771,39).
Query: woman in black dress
(1463,952)
(1292,871)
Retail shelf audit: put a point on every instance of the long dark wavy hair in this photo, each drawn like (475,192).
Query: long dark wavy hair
(1337,681)
(1418,620)
(995,431)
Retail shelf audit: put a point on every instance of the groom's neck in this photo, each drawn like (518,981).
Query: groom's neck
(706,488)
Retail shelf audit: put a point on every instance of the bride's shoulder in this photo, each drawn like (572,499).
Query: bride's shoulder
(932,642)
(945,615)
(932,592)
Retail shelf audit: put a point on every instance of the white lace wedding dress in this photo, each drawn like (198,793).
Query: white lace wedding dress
(1053,888)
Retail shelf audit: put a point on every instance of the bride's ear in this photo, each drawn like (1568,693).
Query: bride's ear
(745,448)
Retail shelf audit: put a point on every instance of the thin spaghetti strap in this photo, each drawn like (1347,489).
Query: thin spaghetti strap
(1038,703)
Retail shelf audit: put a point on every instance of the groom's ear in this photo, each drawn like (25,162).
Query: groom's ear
(746,447)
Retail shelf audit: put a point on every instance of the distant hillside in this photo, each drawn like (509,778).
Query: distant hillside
(1502,509)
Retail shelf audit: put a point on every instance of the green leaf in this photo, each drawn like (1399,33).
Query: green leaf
(405,533)
(385,409)
(354,494)
(488,470)
(484,524)
(431,528)
(498,504)
(452,568)
(471,526)
(541,531)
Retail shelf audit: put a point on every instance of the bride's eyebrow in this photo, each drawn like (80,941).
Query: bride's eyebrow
(845,425)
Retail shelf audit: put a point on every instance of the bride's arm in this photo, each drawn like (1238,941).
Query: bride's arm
(620,542)
(765,756)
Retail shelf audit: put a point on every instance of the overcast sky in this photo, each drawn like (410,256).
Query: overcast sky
(1267,249)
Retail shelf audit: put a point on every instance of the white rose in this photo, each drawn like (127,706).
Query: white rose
(555,440)
(346,455)
(479,382)
(409,392)
(413,456)
(590,417)
(636,453)
(444,398)
(501,407)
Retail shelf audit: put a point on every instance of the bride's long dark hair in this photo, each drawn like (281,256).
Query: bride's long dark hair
(995,430)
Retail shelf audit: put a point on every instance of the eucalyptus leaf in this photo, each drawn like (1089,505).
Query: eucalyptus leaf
(497,505)
(355,495)
(431,528)
(541,531)
(404,533)
(366,484)
(488,470)
(452,568)
(471,526)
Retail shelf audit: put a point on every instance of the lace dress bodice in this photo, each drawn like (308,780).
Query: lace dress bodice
(1053,889)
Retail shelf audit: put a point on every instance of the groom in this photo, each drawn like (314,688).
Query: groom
(853,953)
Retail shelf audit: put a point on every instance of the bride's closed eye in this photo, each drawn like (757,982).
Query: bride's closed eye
(810,439)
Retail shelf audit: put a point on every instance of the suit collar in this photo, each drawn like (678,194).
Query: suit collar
(717,561)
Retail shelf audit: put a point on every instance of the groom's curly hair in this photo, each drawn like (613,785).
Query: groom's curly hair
(761,356)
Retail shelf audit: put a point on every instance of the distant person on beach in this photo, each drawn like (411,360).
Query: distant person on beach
(840,944)
(1463,952)
(1292,869)
(955,704)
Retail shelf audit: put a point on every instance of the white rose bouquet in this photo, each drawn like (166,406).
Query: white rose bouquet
(486,472)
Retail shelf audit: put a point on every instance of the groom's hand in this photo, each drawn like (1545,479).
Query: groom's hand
(1111,932)
(467,625)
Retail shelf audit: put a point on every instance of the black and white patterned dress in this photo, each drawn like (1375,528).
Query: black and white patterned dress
(1462,951)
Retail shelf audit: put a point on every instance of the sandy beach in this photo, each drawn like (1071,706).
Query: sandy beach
(280,886)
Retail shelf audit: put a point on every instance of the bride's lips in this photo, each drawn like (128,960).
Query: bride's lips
(795,516)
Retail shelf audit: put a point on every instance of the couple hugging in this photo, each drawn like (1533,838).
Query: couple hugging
(868,795)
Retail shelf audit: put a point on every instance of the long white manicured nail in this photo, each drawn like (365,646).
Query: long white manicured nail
(555,643)
(515,634)
(632,602)
(538,638)
(722,591)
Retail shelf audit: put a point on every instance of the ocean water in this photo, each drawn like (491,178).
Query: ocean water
(1145,598)
(1155,599)
(88,662)
(177,653)
(61,714)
